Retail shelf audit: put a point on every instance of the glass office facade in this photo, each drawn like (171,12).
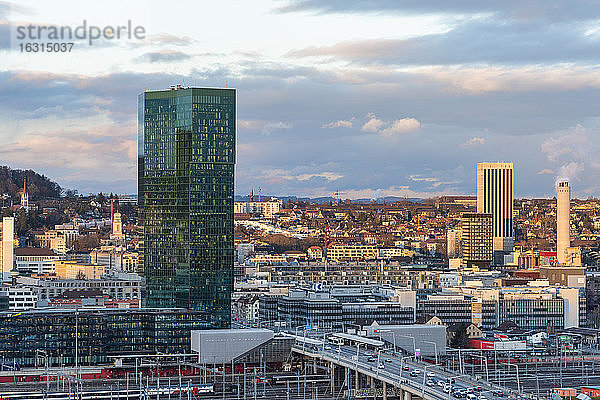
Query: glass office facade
(101,333)
(186,158)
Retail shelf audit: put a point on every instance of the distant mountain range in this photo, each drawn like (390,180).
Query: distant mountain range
(323,200)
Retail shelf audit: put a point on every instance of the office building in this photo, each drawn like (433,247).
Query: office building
(34,261)
(76,270)
(495,196)
(563,237)
(8,244)
(102,333)
(453,238)
(477,239)
(186,145)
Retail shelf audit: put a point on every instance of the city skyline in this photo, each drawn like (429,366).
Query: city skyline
(395,100)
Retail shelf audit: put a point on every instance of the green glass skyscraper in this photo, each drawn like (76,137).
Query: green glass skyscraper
(186,159)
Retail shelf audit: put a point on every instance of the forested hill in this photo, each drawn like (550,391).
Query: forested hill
(38,186)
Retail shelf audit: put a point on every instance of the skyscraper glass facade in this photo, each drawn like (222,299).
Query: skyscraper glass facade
(186,158)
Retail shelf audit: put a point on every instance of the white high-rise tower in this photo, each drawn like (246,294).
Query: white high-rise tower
(7,231)
(563,210)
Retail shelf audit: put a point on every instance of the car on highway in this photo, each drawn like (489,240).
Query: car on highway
(381,365)
(471,396)
(478,389)
(388,360)
(498,393)
(483,398)
(417,370)
(414,372)
(406,368)
(441,383)
(430,382)
(430,374)
(372,359)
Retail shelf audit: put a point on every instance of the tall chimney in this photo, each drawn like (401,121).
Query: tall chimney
(563,209)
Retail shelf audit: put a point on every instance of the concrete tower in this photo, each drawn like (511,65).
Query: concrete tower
(563,209)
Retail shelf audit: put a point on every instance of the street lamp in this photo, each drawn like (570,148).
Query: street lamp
(393,336)
(434,349)
(424,378)
(414,344)
(518,381)
(401,362)
(356,363)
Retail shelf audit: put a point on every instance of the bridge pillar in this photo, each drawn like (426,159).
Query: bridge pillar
(314,366)
(373,386)
(384,390)
(356,382)
(407,395)
(332,372)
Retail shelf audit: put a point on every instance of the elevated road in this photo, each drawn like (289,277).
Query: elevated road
(412,378)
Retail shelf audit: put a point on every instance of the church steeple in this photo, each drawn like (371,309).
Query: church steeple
(25,196)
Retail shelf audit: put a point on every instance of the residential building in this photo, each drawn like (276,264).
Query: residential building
(352,252)
(476,240)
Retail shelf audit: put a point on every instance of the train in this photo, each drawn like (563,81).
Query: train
(103,394)
(87,373)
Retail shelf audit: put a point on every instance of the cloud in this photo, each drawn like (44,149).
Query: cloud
(389,129)
(339,124)
(329,176)
(374,124)
(472,142)
(280,176)
(377,195)
(514,10)
(435,182)
(403,125)
(265,127)
(165,56)
(575,149)
(570,171)
(168,39)
(573,143)
(546,171)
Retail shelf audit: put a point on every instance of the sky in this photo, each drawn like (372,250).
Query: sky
(371,99)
